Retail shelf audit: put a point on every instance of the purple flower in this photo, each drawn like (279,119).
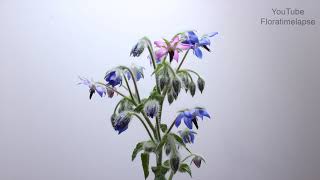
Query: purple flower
(93,87)
(190,117)
(197,161)
(151,108)
(187,135)
(121,122)
(113,78)
(195,42)
(172,48)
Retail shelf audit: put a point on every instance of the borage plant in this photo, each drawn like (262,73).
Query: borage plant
(168,83)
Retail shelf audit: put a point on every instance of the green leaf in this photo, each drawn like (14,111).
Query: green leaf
(137,149)
(145,164)
(167,163)
(149,146)
(185,168)
(164,128)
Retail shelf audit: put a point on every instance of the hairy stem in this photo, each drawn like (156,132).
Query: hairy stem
(129,89)
(183,59)
(135,84)
(154,66)
(149,123)
(171,126)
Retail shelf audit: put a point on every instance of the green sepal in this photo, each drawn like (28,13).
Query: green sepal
(137,149)
(139,107)
(163,128)
(149,146)
(166,163)
(185,168)
(145,164)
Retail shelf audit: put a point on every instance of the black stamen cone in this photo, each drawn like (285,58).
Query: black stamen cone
(206,48)
(92,91)
(194,120)
(171,54)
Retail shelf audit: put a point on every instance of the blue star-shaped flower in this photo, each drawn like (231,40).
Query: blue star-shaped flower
(196,42)
(190,117)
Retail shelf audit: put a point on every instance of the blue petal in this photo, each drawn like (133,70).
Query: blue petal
(204,41)
(128,75)
(123,129)
(201,113)
(100,90)
(192,137)
(188,122)
(198,53)
(178,119)
(139,76)
(187,114)
(193,38)
(212,34)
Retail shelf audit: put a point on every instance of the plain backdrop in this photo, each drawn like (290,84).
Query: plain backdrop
(262,88)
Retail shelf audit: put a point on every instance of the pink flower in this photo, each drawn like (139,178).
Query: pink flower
(172,48)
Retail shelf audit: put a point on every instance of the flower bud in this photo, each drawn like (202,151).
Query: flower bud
(113,120)
(110,93)
(151,108)
(170,97)
(176,84)
(197,161)
(167,149)
(122,121)
(138,49)
(192,88)
(201,84)
(174,162)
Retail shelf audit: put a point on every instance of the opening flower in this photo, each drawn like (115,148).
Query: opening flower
(93,87)
(172,48)
(197,161)
(187,135)
(190,117)
(113,78)
(137,72)
(151,108)
(121,122)
(138,49)
(195,42)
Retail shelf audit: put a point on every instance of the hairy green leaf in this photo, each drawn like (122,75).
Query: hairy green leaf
(145,164)
(164,128)
(137,149)
(185,168)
